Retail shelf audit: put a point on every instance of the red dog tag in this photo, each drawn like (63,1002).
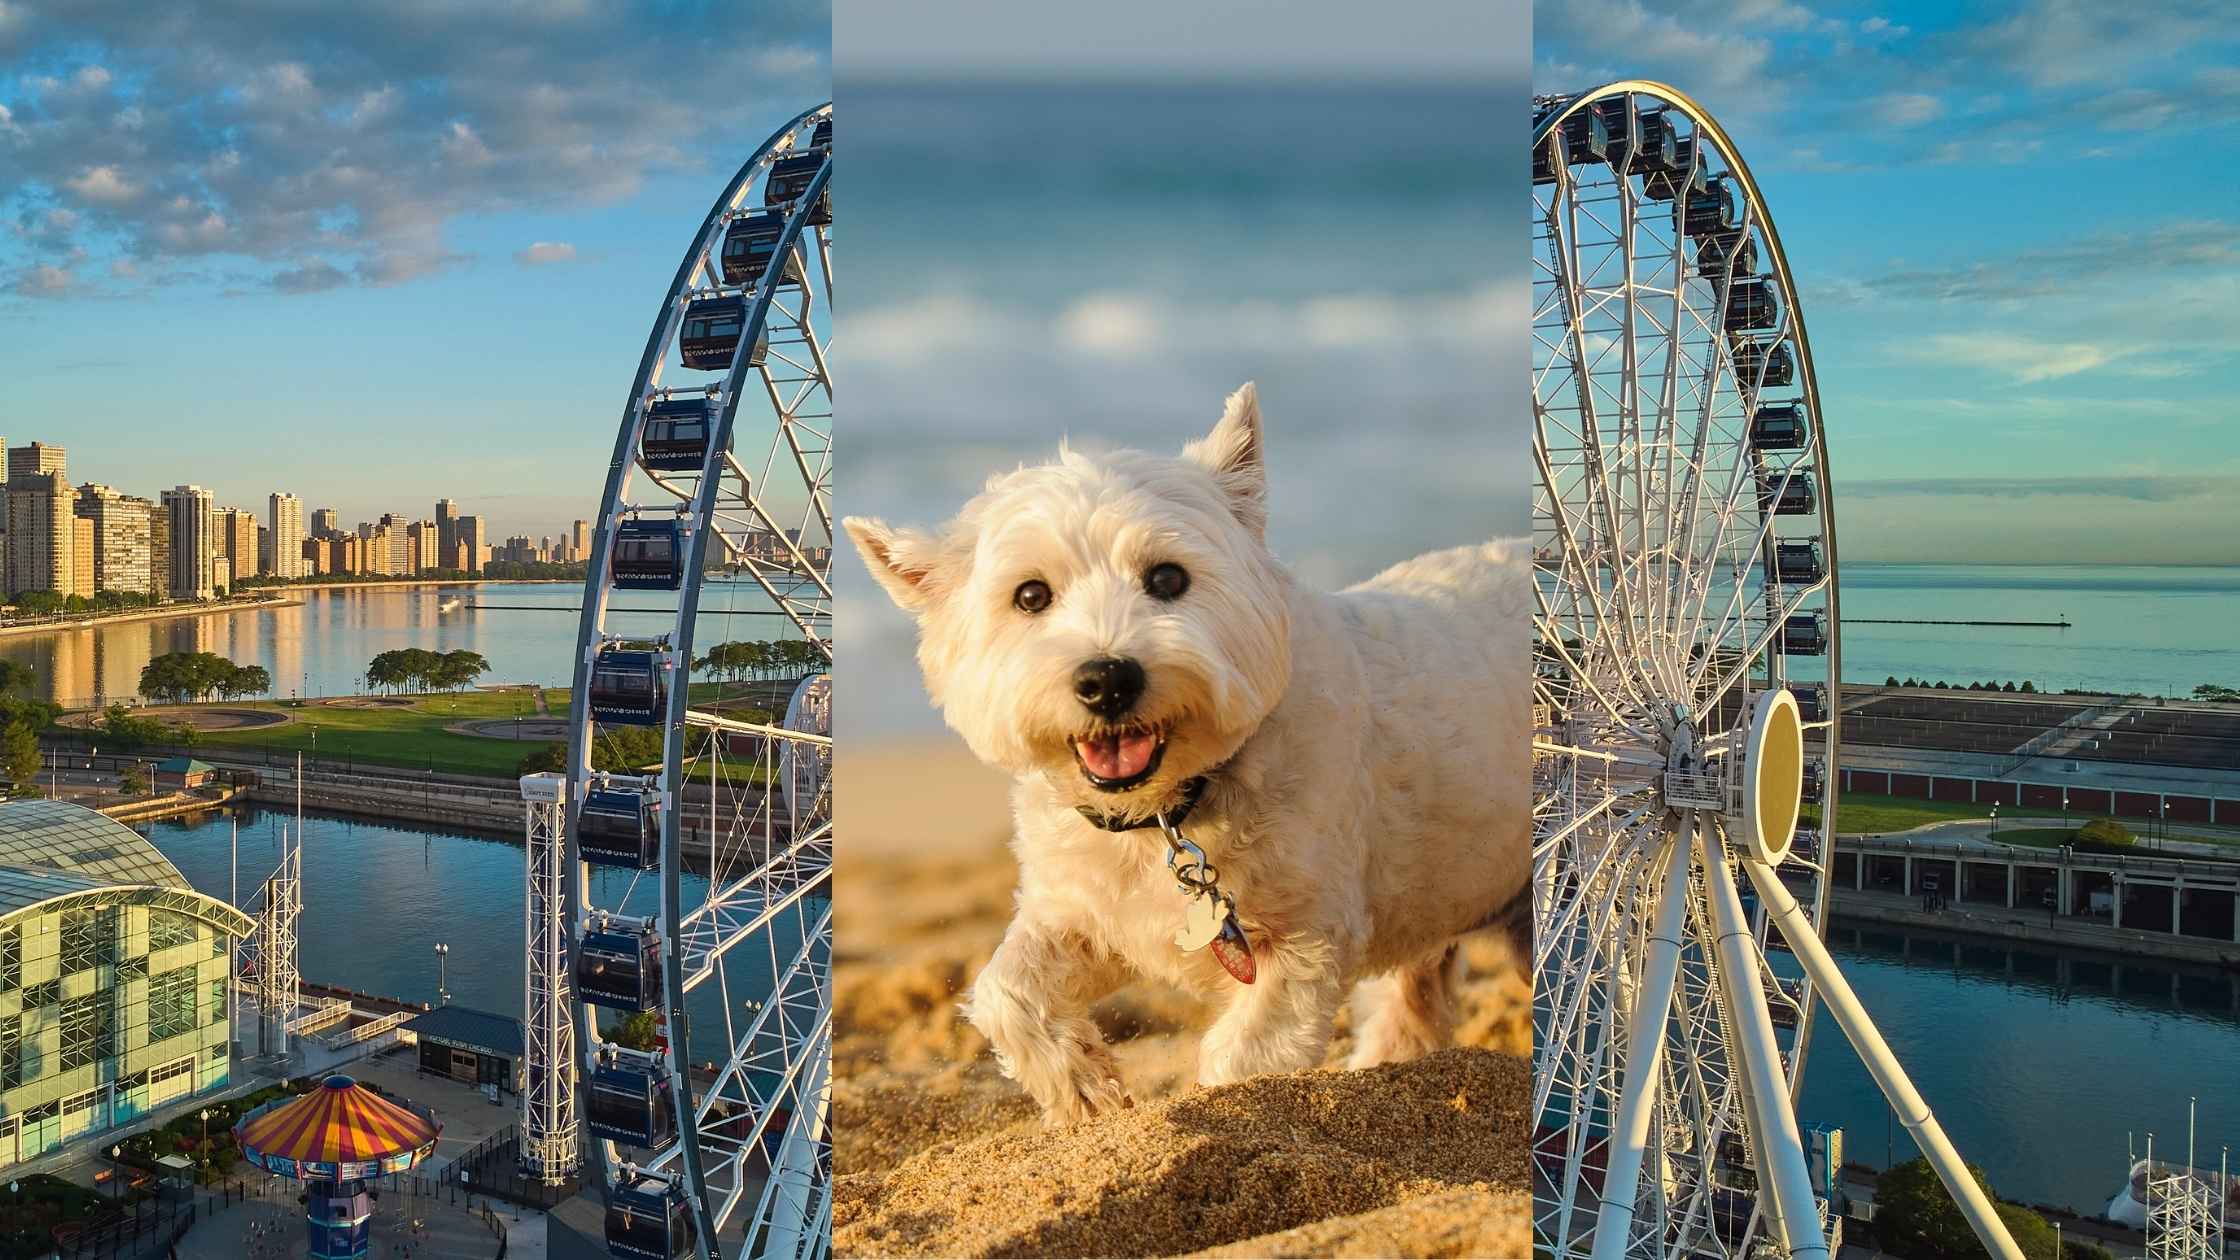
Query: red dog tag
(1234,952)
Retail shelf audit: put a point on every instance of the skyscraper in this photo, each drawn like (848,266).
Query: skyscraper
(122,538)
(473,542)
(286,521)
(447,533)
(324,522)
(43,535)
(193,541)
(32,460)
(579,542)
(237,540)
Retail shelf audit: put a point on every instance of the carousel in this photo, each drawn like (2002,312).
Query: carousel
(335,1140)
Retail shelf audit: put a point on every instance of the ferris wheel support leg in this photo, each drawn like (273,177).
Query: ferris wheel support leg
(1905,1101)
(1629,1137)
(1764,1088)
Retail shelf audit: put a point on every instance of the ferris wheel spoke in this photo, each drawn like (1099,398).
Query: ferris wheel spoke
(1630,1127)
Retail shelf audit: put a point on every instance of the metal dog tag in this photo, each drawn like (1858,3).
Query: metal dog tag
(1201,922)
(1233,951)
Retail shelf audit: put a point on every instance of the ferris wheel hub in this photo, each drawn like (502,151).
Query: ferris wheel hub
(1772,773)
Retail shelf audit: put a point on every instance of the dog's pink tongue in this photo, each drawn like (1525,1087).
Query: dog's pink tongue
(1117,756)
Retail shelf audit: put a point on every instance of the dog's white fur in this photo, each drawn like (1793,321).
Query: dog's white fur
(1371,799)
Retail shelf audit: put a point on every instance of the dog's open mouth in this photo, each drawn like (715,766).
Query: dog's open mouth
(1118,760)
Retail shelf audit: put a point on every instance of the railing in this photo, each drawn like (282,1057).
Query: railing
(367,1030)
(331,1011)
(493,1168)
(2031,855)
(154,1227)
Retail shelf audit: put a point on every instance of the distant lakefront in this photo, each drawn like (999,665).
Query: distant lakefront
(321,645)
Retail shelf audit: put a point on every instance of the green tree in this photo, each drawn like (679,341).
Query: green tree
(2029,688)
(19,751)
(133,780)
(639,1031)
(16,678)
(2104,833)
(2213,691)
(1916,1218)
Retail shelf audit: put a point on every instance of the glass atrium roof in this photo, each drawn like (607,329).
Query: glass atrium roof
(57,838)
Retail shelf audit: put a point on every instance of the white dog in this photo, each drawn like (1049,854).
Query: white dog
(1115,633)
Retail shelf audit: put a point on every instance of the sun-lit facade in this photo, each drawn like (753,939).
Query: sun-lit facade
(112,978)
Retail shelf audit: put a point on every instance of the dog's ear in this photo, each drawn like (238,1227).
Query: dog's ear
(902,560)
(1232,452)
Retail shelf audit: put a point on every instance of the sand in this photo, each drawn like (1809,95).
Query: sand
(936,1154)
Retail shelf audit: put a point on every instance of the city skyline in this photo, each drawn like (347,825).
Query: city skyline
(375,253)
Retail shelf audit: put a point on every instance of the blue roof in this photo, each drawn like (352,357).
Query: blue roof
(470,1029)
(184,764)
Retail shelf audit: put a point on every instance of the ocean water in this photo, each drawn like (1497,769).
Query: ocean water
(2152,630)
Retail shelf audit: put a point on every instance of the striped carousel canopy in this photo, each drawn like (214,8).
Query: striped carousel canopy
(339,1124)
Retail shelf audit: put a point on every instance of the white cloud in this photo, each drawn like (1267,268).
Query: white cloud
(103,185)
(544,252)
(1906,109)
(1109,323)
(2021,358)
(44,281)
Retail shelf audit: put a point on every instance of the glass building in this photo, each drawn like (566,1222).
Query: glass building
(112,978)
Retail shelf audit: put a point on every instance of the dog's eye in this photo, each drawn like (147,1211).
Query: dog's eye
(1166,582)
(1032,596)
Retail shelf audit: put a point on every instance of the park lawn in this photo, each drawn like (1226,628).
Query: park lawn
(1864,813)
(412,737)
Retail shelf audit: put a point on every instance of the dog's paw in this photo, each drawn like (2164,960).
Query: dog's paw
(1080,1079)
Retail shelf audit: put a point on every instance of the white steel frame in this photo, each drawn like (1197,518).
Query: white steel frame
(1668,1046)
(769,518)
(548,1099)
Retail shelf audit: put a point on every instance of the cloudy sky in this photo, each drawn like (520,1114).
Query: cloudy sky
(2018,253)
(373,255)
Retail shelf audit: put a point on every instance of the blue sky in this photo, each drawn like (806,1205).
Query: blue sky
(2016,246)
(372,256)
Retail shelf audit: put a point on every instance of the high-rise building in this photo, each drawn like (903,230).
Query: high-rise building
(324,522)
(579,542)
(194,541)
(285,517)
(221,574)
(447,533)
(121,532)
(472,543)
(34,460)
(159,550)
(82,562)
(237,541)
(425,552)
(43,534)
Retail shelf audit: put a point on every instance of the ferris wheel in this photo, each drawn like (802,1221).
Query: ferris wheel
(1687,705)
(697,879)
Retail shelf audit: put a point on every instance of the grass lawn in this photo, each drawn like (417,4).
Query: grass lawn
(1865,813)
(411,736)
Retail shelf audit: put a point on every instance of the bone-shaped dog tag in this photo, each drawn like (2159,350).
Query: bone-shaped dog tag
(1201,922)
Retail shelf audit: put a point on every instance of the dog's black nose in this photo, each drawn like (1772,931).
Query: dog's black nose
(1108,687)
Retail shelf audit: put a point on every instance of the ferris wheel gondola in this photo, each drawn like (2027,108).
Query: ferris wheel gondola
(1687,704)
(713,1143)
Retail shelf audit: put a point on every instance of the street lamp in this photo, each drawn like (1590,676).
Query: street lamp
(443,956)
(1994,820)
(205,1114)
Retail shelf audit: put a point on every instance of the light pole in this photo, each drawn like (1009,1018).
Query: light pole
(2064,809)
(1994,820)
(205,1115)
(443,956)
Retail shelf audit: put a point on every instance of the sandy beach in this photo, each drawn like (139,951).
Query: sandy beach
(937,1154)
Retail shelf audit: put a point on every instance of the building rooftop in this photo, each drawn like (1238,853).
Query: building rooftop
(470,1029)
(52,838)
(184,764)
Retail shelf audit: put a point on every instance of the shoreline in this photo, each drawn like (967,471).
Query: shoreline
(97,621)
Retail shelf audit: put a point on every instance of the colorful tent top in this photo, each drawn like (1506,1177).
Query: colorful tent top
(340,1131)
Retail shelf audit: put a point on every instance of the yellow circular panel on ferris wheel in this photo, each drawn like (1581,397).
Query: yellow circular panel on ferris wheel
(1773,779)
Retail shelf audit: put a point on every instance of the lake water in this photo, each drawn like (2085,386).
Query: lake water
(2147,629)
(324,644)
(2037,1063)
(377,897)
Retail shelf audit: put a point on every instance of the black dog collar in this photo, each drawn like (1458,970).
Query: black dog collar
(1191,791)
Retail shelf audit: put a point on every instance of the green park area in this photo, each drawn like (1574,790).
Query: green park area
(408,731)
